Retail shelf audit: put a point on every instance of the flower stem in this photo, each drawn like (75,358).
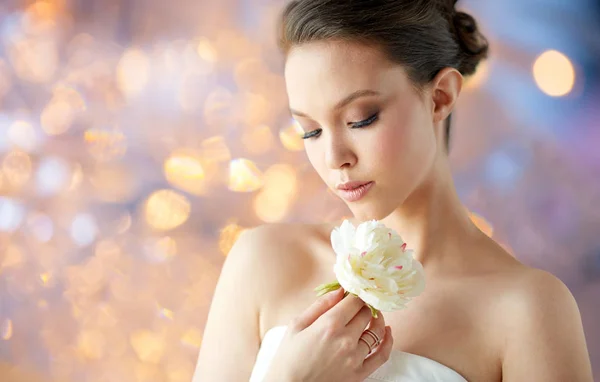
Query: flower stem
(326,288)
(374,312)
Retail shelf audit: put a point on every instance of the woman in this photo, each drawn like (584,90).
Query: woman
(373,84)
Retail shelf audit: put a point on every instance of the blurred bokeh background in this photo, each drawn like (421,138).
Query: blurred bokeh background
(138,138)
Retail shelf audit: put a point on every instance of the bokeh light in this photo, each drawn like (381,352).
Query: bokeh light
(24,136)
(158,250)
(244,176)
(206,51)
(57,117)
(14,257)
(53,176)
(281,179)
(291,136)
(273,202)
(229,235)
(34,60)
(192,338)
(84,229)
(61,112)
(12,214)
(133,72)
(91,344)
(185,171)
(47,280)
(167,209)
(42,12)
(106,144)
(17,168)
(148,346)
(554,73)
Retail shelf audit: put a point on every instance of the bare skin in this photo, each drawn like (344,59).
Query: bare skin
(483,313)
(461,320)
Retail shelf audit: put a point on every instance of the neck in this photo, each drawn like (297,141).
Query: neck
(433,221)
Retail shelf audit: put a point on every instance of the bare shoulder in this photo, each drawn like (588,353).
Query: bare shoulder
(272,236)
(538,287)
(524,294)
(528,292)
(544,337)
(264,263)
(526,321)
(287,261)
(501,275)
(272,248)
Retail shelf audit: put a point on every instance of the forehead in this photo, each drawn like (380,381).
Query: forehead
(320,73)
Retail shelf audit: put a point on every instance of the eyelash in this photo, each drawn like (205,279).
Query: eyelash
(354,125)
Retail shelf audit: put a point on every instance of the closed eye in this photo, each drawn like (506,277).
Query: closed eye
(354,125)
(311,134)
(366,122)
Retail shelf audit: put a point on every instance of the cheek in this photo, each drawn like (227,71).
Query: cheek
(387,147)
(316,159)
(394,139)
(405,147)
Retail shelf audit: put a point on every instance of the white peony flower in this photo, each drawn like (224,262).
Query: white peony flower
(372,262)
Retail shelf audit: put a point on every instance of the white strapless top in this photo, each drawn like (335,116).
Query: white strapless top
(400,367)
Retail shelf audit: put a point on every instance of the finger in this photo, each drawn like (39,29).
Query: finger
(377,326)
(357,325)
(317,309)
(364,347)
(379,356)
(345,311)
(374,334)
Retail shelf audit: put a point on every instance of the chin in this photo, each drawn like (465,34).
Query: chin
(370,211)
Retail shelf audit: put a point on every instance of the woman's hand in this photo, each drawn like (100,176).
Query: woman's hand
(323,343)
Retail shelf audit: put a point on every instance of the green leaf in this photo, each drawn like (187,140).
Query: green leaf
(326,288)
(374,312)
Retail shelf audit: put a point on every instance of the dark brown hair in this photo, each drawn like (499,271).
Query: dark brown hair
(424,36)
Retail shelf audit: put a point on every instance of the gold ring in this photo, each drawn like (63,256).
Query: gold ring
(374,336)
(365,341)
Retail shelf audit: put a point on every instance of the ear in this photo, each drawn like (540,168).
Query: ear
(445,89)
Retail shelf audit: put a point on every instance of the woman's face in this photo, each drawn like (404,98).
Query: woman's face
(365,124)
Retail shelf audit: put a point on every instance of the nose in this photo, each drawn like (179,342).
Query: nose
(339,154)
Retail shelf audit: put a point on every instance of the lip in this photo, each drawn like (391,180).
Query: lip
(354,191)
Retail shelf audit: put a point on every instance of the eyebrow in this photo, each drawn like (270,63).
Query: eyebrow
(357,94)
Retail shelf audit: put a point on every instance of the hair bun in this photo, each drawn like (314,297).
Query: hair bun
(474,46)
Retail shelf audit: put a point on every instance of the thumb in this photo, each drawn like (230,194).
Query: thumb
(317,309)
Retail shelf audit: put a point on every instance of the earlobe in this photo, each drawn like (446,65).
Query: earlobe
(446,87)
